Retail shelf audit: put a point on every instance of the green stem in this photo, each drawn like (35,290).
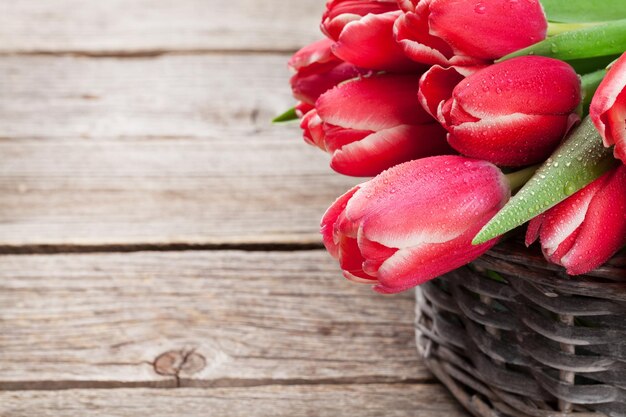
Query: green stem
(590,83)
(518,178)
(555,28)
(589,42)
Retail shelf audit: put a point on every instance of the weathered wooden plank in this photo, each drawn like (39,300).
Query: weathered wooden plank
(239,319)
(208,96)
(377,400)
(148,26)
(235,191)
(181,152)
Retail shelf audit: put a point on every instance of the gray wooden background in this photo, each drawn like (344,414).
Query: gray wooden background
(159,253)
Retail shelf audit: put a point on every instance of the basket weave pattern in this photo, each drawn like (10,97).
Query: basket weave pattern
(512,335)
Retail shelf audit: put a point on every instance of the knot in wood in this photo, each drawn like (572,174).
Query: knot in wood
(175,362)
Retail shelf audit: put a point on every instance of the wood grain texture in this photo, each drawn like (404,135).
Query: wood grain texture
(148,26)
(227,97)
(163,192)
(253,318)
(155,152)
(134,124)
(378,400)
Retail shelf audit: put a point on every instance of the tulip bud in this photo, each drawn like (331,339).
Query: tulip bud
(363,34)
(414,221)
(373,123)
(468,32)
(584,231)
(608,108)
(513,113)
(317,70)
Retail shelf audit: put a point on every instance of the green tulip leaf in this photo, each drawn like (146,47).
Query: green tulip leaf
(576,163)
(594,41)
(584,10)
(287,116)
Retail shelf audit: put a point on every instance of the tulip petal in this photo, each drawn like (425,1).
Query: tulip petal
(341,12)
(534,226)
(316,52)
(529,85)
(604,230)
(606,97)
(608,108)
(389,147)
(426,201)
(303,108)
(555,255)
(490,29)
(437,84)
(333,27)
(369,43)
(373,103)
(374,253)
(512,140)
(317,70)
(307,86)
(330,219)
(336,137)
(312,129)
(412,34)
(357,279)
(616,120)
(407,5)
(563,220)
(414,266)
(351,260)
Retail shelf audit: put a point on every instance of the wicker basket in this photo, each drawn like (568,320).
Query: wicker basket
(512,335)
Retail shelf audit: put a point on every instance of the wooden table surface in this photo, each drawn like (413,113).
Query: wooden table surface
(159,253)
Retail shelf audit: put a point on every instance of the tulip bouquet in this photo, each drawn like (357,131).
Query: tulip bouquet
(473,117)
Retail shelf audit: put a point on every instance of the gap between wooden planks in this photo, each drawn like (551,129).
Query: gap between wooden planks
(128,154)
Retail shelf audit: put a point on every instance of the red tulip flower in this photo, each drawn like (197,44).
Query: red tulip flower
(373,123)
(317,70)
(584,231)
(363,34)
(468,32)
(513,113)
(608,108)
(414,221)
